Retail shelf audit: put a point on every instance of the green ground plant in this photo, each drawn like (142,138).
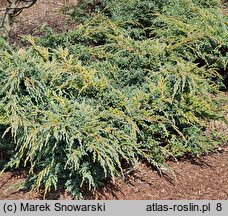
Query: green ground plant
(136,80)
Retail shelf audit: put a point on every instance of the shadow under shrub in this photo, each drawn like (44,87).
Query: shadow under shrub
(118,89)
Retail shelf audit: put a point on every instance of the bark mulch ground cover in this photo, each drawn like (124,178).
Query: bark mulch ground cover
(205,177)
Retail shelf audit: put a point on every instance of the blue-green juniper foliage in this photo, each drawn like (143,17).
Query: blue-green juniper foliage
(136,80)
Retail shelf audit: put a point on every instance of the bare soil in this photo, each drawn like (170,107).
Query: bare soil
(43,14)
(205,177)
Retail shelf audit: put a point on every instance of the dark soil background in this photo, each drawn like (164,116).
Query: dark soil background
(204,177)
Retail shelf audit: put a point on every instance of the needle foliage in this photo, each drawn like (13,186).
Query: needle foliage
(134,81)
